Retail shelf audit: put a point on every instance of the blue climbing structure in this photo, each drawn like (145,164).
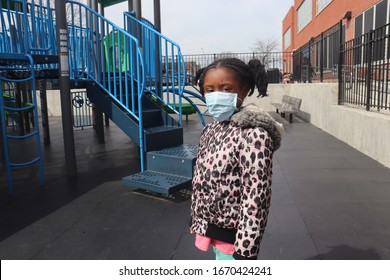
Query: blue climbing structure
(135,75)
(27,53)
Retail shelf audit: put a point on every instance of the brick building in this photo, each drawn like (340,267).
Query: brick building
(307,19)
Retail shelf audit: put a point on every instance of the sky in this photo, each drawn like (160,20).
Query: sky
(214,26)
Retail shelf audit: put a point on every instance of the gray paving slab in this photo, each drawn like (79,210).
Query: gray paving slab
(351,247)
(29,242)
(329,202)
(286,218)
(288,246)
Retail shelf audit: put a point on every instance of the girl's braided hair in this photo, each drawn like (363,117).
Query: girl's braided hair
(251,74)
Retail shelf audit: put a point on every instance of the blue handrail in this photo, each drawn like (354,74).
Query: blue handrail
(103,52)
(27,27)
(165,71)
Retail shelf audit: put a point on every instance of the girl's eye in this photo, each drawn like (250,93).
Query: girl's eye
(209,90)
(226,89)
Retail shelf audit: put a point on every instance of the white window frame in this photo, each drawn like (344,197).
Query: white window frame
(322,4)
(305,14)
(287,38)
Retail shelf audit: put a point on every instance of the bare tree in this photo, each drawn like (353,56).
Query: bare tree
(76,16)
(264,51)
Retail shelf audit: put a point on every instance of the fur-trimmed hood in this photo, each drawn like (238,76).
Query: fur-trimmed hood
(253,116)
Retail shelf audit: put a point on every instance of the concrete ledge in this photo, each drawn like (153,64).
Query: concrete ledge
(368,132)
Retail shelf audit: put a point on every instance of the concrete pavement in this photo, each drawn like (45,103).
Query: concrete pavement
(329,202)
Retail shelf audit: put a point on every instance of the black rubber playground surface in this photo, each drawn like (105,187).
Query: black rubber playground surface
(329,202)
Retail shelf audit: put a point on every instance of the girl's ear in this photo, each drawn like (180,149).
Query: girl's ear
(240,97)
(243,93)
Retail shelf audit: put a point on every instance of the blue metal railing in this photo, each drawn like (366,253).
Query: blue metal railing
(197,101)
(27,27)
(165,71)
(103,52)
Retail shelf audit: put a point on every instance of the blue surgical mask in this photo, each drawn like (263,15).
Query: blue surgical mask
(221,105)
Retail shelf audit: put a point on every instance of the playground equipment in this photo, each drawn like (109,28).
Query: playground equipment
(135,75)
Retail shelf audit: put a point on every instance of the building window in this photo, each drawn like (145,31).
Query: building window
(368,20)
(381,14)
(373,18)
(287,39)
(321,4)
(304,14)
(327,51)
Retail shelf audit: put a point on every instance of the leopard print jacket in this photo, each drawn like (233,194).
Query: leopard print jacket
(232,179)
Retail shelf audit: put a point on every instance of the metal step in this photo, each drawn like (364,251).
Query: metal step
(177,160)
(151,117)
(160,137)
(157,182)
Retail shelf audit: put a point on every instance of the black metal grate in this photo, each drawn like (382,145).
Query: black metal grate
(185,151)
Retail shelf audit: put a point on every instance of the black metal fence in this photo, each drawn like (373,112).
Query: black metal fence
(81,109)
(315,61)
(365,73)
(276,63)
(361,66)
(318,59)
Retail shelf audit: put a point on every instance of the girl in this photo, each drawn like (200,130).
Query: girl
(232,175)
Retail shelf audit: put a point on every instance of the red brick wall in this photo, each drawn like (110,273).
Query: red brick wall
(288,22)
(327,18)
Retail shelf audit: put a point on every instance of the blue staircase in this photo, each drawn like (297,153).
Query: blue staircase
(132,74)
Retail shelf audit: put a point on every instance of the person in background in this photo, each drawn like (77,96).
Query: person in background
(233,170)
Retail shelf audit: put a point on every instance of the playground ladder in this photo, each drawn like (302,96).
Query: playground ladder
(19,69)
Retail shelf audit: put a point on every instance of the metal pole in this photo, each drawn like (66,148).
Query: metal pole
(18,97)
(137,8)
(97,113)
(369,57)
(106,119)
(24,101)
(44,113)
(66,109)
(157,15)
(93,5)
(322,58)
(309,62)
(130,5)
(157,25)
(301,65)
(340,68)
